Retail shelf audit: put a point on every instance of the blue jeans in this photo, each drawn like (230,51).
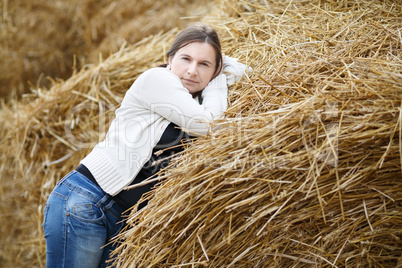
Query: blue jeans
(79,220)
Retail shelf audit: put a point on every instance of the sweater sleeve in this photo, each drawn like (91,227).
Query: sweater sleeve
(163,93)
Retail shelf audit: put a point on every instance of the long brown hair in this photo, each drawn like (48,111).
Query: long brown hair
(198,33)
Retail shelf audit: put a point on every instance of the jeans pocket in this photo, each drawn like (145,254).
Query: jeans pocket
(86,212)
(83,209)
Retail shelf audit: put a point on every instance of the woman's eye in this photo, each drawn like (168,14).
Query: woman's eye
(205,64)
(186,58)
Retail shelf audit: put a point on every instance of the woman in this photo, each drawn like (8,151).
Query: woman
(85,210)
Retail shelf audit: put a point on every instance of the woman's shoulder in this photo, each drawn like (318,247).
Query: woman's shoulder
(158,73)
(154,80)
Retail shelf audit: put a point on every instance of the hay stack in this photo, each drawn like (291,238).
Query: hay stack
(305,170)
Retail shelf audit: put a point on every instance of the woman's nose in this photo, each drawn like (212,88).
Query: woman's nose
(192,69)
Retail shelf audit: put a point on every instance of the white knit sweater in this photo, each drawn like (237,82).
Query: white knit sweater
(155,99)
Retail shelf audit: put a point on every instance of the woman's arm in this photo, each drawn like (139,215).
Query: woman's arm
(164,94)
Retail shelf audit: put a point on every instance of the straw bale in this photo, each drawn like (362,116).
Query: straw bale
(305,170)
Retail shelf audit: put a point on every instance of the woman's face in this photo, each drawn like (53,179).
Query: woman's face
(194,64)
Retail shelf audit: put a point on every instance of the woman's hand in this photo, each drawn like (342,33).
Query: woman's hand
(234,70)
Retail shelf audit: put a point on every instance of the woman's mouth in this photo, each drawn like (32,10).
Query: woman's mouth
(189,81)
